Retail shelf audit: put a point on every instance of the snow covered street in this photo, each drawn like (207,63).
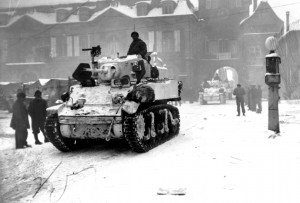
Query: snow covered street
(217,157)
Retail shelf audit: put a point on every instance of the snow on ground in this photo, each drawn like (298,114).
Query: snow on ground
(217,157)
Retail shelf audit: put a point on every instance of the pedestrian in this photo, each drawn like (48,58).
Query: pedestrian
(259,96)
(253,98)
(137,46)
(37,111)
(239,93)
(20,122)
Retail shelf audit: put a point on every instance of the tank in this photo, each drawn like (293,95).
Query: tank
(121,98)
(212,91)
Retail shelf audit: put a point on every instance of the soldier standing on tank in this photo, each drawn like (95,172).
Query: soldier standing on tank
(20,122)
(137,46)
(37,111)
(239,93)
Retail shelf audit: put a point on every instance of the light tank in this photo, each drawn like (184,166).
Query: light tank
(122,98)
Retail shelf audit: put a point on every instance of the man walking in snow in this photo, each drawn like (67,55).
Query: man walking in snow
(19,121)
(137,46)
(37,112)
(239,93)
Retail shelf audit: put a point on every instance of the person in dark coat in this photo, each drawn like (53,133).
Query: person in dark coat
(253,98)
(239,93)
(37,111)
(20,122)
(137,46)
(259,96)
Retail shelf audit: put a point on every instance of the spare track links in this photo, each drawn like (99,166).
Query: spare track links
(52,128)
(147,129)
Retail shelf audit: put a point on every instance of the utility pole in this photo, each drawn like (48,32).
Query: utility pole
(272,79)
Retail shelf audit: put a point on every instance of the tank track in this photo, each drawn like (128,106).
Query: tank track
(54,135)
(143,144)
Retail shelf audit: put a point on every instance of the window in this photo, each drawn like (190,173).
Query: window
(76,46)
(53,47)
(144,37)
(223,45)
(168,41)
(151,41)
(69,46)
(168,8)
(213,47)
(73,45)
(158,41)
(233,47)
(61,45)
(83,44)
(208,4)
(255,52)
(142,9)
(177,40)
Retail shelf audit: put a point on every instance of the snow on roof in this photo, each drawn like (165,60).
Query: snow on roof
(26,63)
(45,18)
(12,21)
(155,12)
(50,18)
(169,0)
(33,3)
(64,8)
(147,2)
(182,9)
(43,81)
(131,12)
(195,3)
(264,5)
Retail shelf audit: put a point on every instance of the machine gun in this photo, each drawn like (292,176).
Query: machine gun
(94,51)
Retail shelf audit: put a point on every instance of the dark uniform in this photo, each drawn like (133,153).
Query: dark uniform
(37,112)
(19,121)
(137,46)
(239,92)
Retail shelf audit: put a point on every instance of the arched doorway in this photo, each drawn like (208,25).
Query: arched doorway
(229,74)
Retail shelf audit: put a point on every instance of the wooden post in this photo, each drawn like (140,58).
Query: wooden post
(273,113)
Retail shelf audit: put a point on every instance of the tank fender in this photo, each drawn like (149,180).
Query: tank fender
(130,107)
(54,109)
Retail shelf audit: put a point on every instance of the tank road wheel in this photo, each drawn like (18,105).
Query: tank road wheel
(174,121)
(140,126)
(54,135)
(151,127)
